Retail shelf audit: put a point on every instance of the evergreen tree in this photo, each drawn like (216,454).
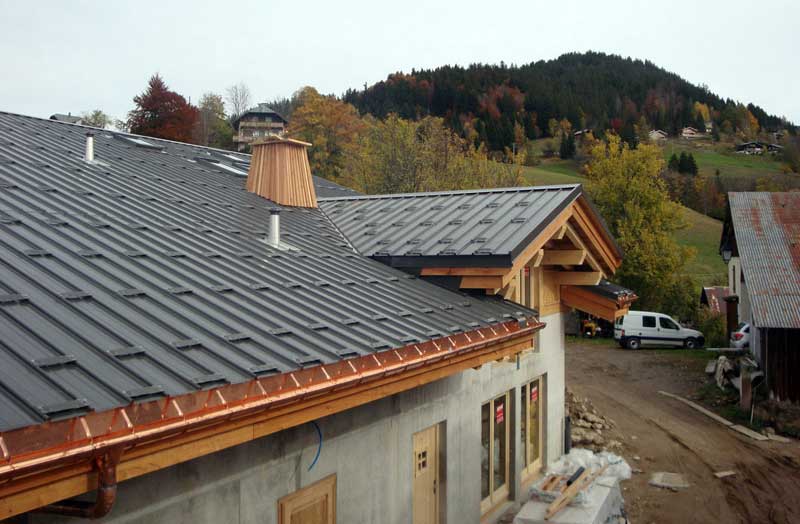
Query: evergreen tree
(700,123)
(683,163)
(691,165)
(674,165)
(567,149)
(714,132)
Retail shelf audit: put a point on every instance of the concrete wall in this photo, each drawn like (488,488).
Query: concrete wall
(369,448)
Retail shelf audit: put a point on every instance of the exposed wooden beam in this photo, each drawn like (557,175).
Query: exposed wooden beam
(463,271)
(596,234)
(529,252)
(561,232)
(72,480)
(578,278)
(536,261)
(576,240)
(481,282)
(564,257)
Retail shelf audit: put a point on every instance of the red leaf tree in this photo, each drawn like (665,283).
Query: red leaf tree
(162,113)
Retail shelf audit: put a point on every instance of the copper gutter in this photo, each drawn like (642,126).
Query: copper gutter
(106,466)
(37,448)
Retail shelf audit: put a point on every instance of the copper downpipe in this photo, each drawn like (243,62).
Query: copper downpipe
(106,467)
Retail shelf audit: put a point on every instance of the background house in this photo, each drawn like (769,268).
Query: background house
(68,118)
(657,134)
(208,339)
(761,244)
(257,123)
(690,132)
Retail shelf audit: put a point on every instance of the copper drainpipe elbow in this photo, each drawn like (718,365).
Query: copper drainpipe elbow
(106,467)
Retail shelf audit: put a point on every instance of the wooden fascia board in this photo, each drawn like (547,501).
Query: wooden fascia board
(533,248)
(579,298)
(480,282)
(37,490)
(577,278)
(597,233)
(463,271)
(563,257)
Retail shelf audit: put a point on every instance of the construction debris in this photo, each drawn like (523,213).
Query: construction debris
(588,425)
(724,372)
(711,367)
(594,496)
(723,474)
(663,479)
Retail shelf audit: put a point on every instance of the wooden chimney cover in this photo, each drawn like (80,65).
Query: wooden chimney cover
(279,171)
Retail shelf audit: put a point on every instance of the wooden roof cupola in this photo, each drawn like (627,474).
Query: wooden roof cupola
(279,171)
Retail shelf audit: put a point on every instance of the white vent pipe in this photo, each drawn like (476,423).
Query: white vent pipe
(275,227)
(89,156)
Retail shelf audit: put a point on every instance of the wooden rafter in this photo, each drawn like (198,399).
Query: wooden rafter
(577,278)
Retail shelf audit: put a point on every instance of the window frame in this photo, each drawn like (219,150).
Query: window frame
(667,320)
(531,467)
(497,495)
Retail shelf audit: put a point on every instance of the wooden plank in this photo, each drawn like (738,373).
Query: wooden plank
(53,486)
(573,237)
(463,271)
(563,257)
(481,282)
(579,278)
(567,495)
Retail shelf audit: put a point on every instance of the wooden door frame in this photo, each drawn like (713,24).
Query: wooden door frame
(328,484)
(499,495)
(437,470)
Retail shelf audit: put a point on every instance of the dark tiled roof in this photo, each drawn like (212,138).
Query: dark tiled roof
(443,227)
(767,230)
(146,274)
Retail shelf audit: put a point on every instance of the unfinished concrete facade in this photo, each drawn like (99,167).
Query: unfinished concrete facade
(368,448)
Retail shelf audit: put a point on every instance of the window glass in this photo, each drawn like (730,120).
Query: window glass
(619,321)
(533,420)
(485,428)
(648,321)
(667,323)
(524,420)
(747,329)
(500,417)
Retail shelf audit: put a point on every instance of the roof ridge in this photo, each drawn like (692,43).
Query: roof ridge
(517,189)
(123,133)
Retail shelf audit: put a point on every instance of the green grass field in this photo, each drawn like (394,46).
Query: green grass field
(710,157)
(702,233)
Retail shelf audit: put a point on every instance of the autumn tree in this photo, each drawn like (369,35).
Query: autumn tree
(626,186)
(330,125)
(238,98)
(97,118)
(162,113)
(213,129)
(404,156)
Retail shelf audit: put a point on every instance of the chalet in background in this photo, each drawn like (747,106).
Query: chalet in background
(758,148)
(257,123)
(657,134)
(690,132)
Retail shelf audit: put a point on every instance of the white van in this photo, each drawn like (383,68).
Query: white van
(645,328)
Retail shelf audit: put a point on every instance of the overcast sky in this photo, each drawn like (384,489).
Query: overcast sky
(73,56)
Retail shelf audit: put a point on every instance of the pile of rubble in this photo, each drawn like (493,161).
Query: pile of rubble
(589,428)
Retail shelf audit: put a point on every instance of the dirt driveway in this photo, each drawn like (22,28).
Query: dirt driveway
(667,435)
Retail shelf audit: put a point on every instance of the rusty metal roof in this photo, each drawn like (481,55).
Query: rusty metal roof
(145,275)
(714,298)
(767,232)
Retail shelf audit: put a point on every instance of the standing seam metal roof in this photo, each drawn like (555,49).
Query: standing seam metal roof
(146,274)
(767,229)
(491,222)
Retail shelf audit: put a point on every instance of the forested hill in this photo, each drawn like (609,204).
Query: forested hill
(591,90)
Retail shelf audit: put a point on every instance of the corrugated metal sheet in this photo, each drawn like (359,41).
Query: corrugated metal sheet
(492,223)
(146,274)
(767,229)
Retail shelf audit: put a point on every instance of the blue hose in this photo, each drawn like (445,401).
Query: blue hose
(319,448)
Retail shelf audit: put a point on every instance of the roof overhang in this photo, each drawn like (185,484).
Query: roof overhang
(596,301)
(52,461)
